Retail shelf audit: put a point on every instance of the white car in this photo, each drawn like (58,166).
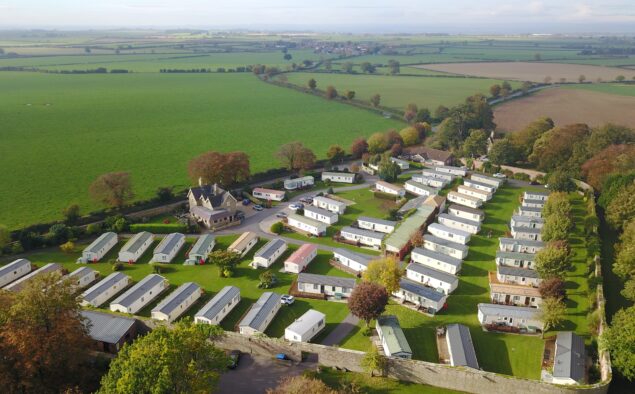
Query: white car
(296,206)
(287,299)
(500,175)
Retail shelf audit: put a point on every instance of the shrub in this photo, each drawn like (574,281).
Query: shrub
(67,247)
(117,267)
(277,228)
(156,268)
(158,228)
(93,228)
(521,176)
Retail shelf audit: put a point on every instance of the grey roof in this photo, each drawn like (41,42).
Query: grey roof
(487,185)
(326,280)
(177,297)
(498,181)
(138,290)
(329,201)
(441,227)
(220,300)
(429,189)
(202,243)
(362,232)
(383,222)
(461,346)
(460,220)
(13,266)
(529,209)
(463,208)
(103,285)
(528,230)
(270,248)
(168,243)
(518,312)
(445,242)
(215,194)
(136,241)
(306,322)
(420,290)
(525,242)
(356,257)
(527,219)
(260,310)
(435,173)
(516,255)
(413,203)
(306,220)
(332,173)
(100,242)
(438,256)
(81,272)
(319,211)
(537,192)
(209,214)
(105,327)
(532,201)
(18,284)
(431,272)
(570,358)
(517,271)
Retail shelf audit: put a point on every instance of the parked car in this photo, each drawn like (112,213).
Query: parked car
(246,201)
(281,215)
(287,299)
(258,207)
(500,175)
(295,206)
(234,358)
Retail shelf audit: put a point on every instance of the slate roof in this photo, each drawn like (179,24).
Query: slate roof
(517,312)
(260,310)
(393,335)
(326,280)
(356,257)
(420,290)
(209,214)
(81,272)
(168,243)
(528,230)
(487,185)
(463,208)
(432,273)
(460,219)
(445,242)
(106,327)
(13,266)
(527,219)
(270,248)
(134,243)
(138,290)
(215,194)
(376,221)
(461,346)
(329,201)
(177,297)
(306,220)
(103,285)
(517,271)
(570,357)
(220,300)
(429,189)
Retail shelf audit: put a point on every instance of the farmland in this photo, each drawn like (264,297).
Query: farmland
(61,131)
(593,105)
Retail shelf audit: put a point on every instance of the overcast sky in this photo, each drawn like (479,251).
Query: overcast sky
(552,16)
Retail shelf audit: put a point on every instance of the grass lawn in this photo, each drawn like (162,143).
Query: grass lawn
(72,128)
(516,355)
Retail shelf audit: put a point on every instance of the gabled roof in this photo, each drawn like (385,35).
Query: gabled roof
(428,153)
(432,273)
(134,243)
(421,290)
(570,357)
(488,178)
(220,300)
(524,242)
(445,242)
(356,257)
(202,244)
(319,211)
(463,196)
(460,346)
(138,290)
(214,193)
(306,322)
(268,191)
(302,253)
(441,227)
(177,297)
(362,232)
(168,243)
(438,256)
(100,242)
(376,221)
(527,219)
(81,272)
(517,271)
(106,327)
(393,335)
(270,248)
(209,214)
(103,285)
(536,193)
(413,203)
(487,185)
(326,280)
(241,242)
(260,310)
(13,266)
(460,219)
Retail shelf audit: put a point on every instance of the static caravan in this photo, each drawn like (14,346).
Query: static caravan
(403,165)
(306,327)
(327,285)
(300,259)
(14,271)
(463,199)
(472,192)
(135,247)
(307,225)
(436,260)
(20,283)
(83,276)
(260,314)
(460,346)
(201,250)
(533,203)
(520,245)
(440,245)
(457,171)
(536,195)
(269,253)
(497,182)
(374,224)
(527,221)
(460,223)
(351,261)
(218,307)
(516,259)
(517,276)
(466,212)
(438,174)
(438,280)
(569,362)
(321,215)
(167,249)
(449,233)
(425,297)
(530,212)
(389,188)
(363,237)
(532,234)
(393,340)
(244,243)
(486,187)
(438,183)
(524,318)
(329,204)
(175,304)
(299,183)
(98,248)
(339,177)
(105,289)
(512,294)
(140,295)
(420,189)
(268,194)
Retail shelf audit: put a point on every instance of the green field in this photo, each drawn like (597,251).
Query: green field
(59,132)
(610,88)
(398,91)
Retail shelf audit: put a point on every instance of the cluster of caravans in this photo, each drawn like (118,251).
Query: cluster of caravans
(431,181)
(317,217)
(17,274)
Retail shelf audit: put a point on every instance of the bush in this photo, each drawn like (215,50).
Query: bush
(277,228)
(158,228)
(521,176)
(93,228)
(117,267)
(156,269)
(67,247)
(329,190)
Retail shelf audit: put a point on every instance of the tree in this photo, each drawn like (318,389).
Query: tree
(552,312)
(367,67)
(552,287)
(71,213)
(44,341)
(385,272)
(619,340)
(225,260)
(503,152)
(296,157)
(560,181)
(612,185)
(556,227)
(267,279)
(312,84)
(475,144)
(287,56)
(374,361)
(624,264)
(5,237)
(165,193)
(553,261)
(555,147)
(359,147)
(277,228)
(581,78)
(176,360)
(557,204)
(394,66)
(423,115)
(388,170)
(441,113)
(67,247)
(368,301)
(377,143)
(410,136)
(524,140)
(622,208)
(620,78)
(612,159)
(113,189)
(217,167)
(301,384)
(547,79)
(328,64)
(347,67)
(350,94)
(335,153)
(331,92)
(416,239)
(375,100)
(495,90)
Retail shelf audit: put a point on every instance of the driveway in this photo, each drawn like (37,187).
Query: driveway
(255,374)
(341,331)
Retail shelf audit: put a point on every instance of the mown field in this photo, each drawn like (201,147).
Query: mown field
(59,132)
(398,91)
(610,88)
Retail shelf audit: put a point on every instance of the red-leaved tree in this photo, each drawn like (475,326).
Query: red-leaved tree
(368,301)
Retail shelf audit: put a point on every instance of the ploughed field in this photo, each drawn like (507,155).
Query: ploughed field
(531,71)
(592,104)
(59,132)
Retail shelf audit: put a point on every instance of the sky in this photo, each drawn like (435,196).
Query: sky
(370,16)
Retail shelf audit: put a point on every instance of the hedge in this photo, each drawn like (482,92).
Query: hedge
(158,228)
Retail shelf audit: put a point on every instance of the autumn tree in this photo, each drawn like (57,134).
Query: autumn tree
(296,157)
(553,260)
(330,92)
(552,287)
(441,113)
(113,189)
(410,136)
(416,239)
(374,361)
(301,384)
(180,359)
(608,134)
(552,312)
(377,143)
(475,144)
(423,115)
(614,158)
(350,94)
(560,180)
(556,227)
(312,84)
(226,262)
(619,340)
(557,204)
(495,90)
(367,67)
(523,140)
(556,146)
(375,99)
(335,153)
(581,78)
(218,167)
(368,301)
(385,272)
(393,137)
(503,151)
(624,264)
(388,170)
(71,213)
(359,147)
(622,208)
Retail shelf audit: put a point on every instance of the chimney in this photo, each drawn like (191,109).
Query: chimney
(200,181)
